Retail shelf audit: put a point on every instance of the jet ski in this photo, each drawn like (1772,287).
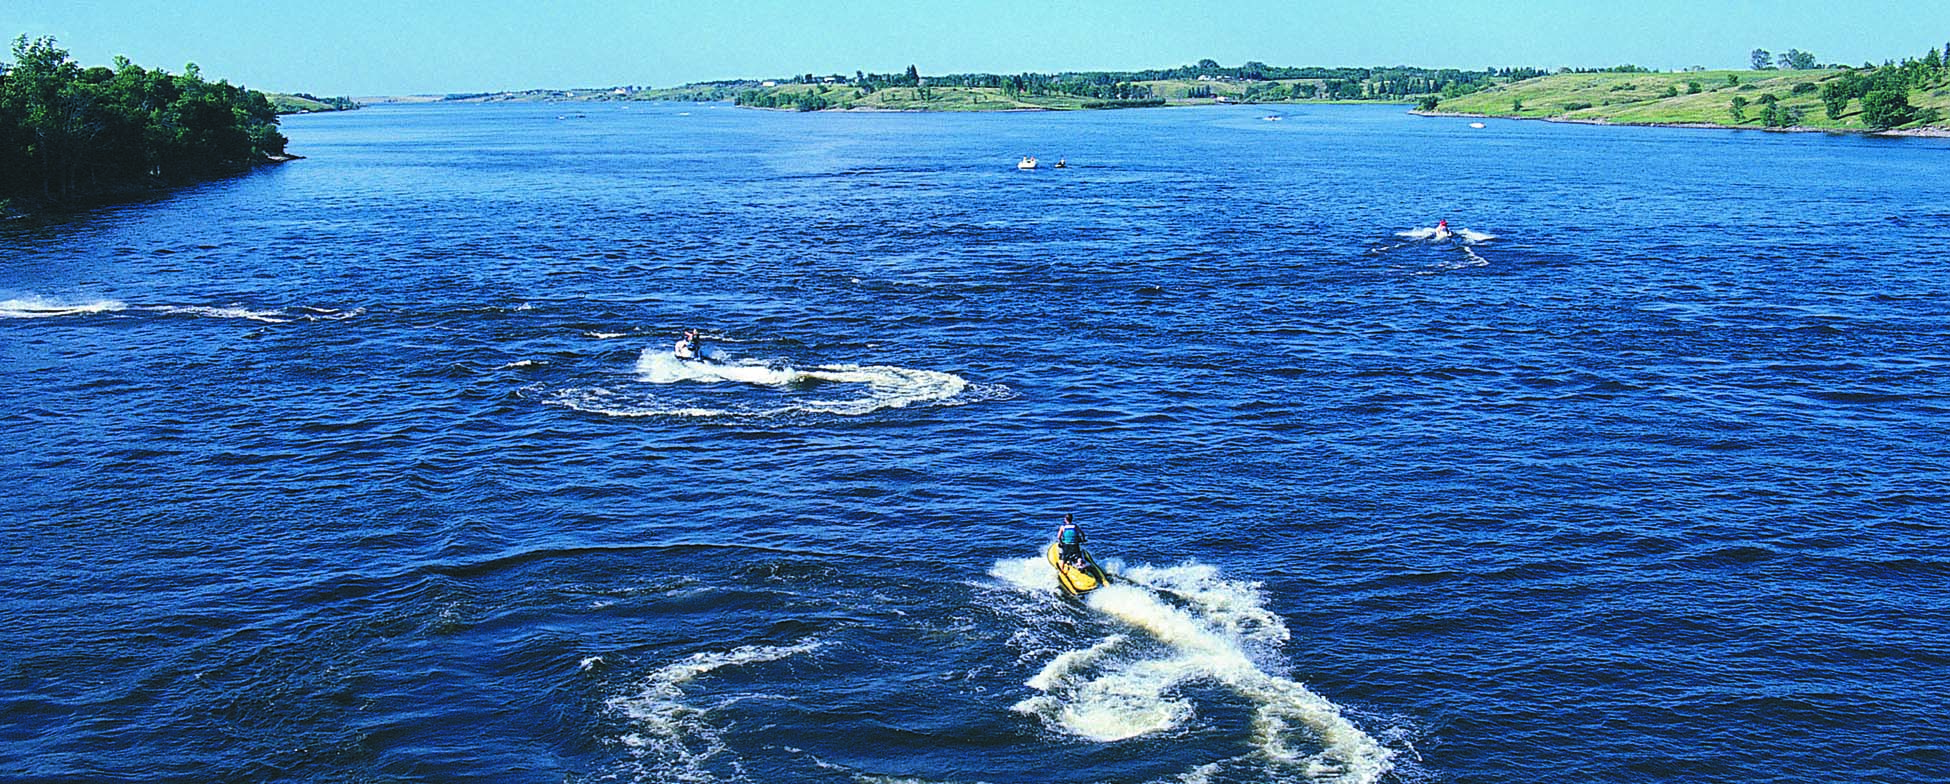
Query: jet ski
(690,349)
(1077,579)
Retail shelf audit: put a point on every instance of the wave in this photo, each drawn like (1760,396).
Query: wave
(232,312)
(672,740)
(42,307)
(279,316)
(1122,686)
(841,390)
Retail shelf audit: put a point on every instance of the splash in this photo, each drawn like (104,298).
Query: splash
(1435,234)
(1198,627)
(659,366)
(42,307)
(672,740)
(842,390)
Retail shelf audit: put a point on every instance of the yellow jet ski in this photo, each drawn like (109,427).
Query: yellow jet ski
(1077,579)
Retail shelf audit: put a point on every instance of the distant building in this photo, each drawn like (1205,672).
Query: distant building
(768,83)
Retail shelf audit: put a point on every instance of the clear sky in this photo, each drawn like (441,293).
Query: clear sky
(395,47)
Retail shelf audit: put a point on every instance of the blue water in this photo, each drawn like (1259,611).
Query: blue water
(373,467)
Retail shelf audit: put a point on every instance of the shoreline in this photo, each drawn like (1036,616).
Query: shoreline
(1926,132)
(27,206)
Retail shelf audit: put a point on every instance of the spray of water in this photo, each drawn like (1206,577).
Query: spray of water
(1210,629)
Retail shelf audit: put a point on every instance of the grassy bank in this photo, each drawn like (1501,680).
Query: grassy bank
(302,103)
(1685,98)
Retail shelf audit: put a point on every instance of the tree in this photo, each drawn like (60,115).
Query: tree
(1760,59)
(1797,60)
(40,93)
(1693,88)
(913,77)
(1933,61)
(66,131)
(1733,79)
(1884,109)
(1739,108)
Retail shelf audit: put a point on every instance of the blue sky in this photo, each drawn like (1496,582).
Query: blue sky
(365,47)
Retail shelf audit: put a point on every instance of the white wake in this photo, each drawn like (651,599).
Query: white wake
(670,739)
(842,390)
(1122,686)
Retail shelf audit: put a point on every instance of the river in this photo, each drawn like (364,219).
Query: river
(375,466)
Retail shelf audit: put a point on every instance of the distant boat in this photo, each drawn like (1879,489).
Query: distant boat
(1475,125)
(1271,118)
(1062,164)
(1027,162)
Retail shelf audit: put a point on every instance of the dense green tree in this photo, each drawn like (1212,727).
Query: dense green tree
(1797,60)
(1761,59)
(1837,92)
(1884,109)
(1739,108)
(67,131)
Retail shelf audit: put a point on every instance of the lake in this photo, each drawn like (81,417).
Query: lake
(377,465)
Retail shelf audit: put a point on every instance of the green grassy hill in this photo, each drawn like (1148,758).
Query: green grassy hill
(286,103)
(1175,92)
(1698,97)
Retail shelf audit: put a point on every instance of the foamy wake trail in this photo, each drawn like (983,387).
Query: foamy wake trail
(672,740)
(281,316)
(42,307)
(845,390)
(1121,687)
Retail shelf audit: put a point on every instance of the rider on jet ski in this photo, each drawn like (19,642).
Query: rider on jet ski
(1069,541)
(690,346)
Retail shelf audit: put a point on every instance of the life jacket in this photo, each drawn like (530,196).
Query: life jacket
(1069,534)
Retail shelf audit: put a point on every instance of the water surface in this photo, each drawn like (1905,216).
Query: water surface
(374,466)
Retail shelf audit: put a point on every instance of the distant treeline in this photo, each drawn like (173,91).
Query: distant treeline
(1276,82)
(68,132)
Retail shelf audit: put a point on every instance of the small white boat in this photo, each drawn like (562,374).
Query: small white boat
(1027,162)
(1475,125)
